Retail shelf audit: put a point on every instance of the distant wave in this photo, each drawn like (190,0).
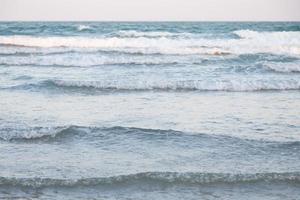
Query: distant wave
(83,27)
(269,36)
(153,34)
(132,33)
(171,178)
(242,85)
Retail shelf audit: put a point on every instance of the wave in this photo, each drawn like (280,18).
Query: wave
(283,67)
(48,133)
(142,45)
(90,60)
(126,59)
(173,178)
(269,36)
(57,132)
(156,34)
(243,85)
(23,77)
(17,52)
(83,42)
(247,43)
(133,33)
(84,27)
(62,133)
(10,134)
(275,42)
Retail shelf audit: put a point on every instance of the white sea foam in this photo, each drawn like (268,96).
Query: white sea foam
(270,42)
(83,27)
(292,36)
(29,133)
(158,44)
(250,42)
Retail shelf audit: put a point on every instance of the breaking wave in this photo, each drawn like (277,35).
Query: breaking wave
(282,36)
(56,132)
(62,133)
(248,42)
(242,85)
(40,133)
(83,27)
(173,178)
(9,134)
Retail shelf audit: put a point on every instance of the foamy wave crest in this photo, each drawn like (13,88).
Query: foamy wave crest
(271,42)
(275,43)
(173,178)
(291,36)
(142,45)
(162,85)
(30,133)
(83,27)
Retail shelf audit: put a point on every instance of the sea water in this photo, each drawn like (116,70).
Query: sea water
(108,110)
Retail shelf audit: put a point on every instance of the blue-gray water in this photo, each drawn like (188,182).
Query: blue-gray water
(149,110)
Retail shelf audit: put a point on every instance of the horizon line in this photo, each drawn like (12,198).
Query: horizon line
(149,20)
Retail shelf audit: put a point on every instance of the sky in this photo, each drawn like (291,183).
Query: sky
(150,10)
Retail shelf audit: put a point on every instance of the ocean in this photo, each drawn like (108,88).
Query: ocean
(150,110)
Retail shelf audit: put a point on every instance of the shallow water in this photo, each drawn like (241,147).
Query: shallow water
(149,110)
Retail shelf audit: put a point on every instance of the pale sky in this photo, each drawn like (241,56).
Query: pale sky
(150,10)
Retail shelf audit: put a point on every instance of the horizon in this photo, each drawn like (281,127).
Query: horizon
(149,21)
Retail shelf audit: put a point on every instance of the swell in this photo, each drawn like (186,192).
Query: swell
(165,178)
(65,133)
(166,86)
(59,132)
